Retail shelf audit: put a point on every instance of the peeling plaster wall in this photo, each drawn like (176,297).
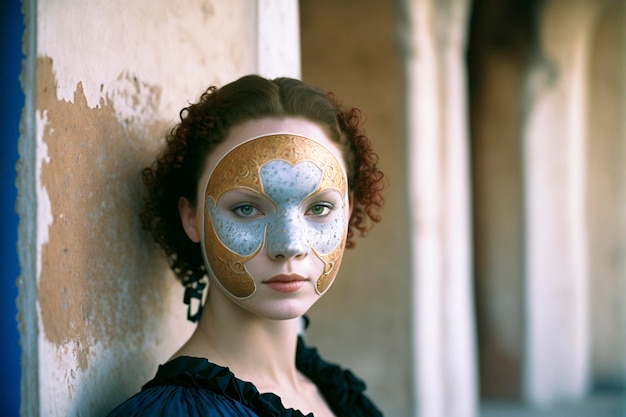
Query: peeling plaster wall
(105,80)
(97,279)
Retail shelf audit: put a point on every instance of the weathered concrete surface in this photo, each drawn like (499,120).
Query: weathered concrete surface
(99,276)
(104,81)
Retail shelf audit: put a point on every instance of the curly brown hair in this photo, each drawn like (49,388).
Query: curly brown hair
(177,169)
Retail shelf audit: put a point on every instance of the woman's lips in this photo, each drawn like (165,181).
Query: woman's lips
(285,283)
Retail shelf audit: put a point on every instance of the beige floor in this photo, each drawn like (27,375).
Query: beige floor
(602,405)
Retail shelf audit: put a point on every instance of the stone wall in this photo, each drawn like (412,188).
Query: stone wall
(104,81)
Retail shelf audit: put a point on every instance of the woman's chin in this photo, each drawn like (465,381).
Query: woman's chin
(284,310)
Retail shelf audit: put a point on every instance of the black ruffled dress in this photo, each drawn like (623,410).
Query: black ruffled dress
(195,387)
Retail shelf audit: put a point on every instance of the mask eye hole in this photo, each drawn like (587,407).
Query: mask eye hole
(321,209)
(244,204)
(246,210)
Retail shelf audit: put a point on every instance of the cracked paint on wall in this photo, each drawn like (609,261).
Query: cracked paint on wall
(180,45)
(99,276)
(98,307)
(43,200)
(91,236)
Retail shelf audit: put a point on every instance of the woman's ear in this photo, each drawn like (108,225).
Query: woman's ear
(188,217)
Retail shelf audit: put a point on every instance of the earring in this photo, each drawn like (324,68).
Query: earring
(194,289)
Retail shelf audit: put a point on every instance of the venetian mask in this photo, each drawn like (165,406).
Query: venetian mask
(268,195)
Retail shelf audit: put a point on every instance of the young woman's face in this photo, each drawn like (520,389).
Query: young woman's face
(275,215)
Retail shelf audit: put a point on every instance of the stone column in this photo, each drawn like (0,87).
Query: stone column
(557,255)
(278,38)
(435,34)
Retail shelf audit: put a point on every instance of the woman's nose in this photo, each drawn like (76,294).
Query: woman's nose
(286,238)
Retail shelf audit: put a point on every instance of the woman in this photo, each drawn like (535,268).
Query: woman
(258,190)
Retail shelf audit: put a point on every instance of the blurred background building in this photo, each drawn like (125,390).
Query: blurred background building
(495,284)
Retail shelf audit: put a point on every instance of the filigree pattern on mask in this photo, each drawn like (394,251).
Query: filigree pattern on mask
(245,161)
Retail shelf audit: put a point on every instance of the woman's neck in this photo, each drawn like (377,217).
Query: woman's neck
(255,349)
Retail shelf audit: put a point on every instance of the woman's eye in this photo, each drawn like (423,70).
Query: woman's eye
(320,209)
(246,210)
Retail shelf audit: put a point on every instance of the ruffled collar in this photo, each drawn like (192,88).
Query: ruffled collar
(342,390)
